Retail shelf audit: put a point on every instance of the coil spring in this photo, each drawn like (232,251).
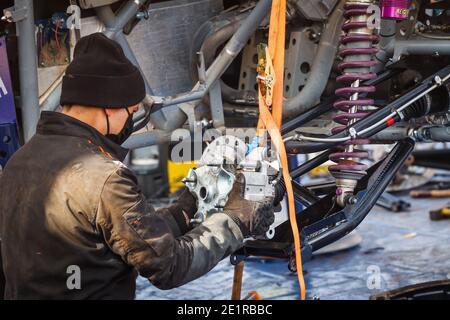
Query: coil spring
(357,55)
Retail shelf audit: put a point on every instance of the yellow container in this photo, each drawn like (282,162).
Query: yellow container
(177,171)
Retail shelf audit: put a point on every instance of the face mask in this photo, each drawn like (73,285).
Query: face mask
(126,131)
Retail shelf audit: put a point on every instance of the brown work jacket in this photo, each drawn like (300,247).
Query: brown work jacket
(75,225)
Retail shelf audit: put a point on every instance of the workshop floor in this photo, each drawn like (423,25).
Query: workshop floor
(405,248)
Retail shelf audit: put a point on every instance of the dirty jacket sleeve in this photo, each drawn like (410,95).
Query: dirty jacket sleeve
(147,241)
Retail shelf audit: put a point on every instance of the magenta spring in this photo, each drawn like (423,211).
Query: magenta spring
(357,55)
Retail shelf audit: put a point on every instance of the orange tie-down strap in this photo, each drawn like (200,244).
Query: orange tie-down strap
(272,121)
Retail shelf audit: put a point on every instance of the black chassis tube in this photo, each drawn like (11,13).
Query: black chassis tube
(301,193)
(366,198)
(310,147)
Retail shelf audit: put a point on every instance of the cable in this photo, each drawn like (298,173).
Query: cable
(432,36)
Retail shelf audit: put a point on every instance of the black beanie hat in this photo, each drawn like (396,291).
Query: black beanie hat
(101,76)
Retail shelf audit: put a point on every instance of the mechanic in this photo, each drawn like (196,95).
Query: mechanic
(70,207)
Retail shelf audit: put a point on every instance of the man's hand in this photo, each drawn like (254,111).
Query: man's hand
(187,203)
(182,211)
(253,218)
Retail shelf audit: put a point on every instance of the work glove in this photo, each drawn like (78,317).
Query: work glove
(187,202)
(253,217)
(184,210)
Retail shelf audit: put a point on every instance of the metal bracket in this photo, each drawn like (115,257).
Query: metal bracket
(15,13)
(215,93)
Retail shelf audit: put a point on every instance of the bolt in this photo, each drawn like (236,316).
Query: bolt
(438,80)
(352,200)
(187,180)
(195,221)
(291,265)
(142,15)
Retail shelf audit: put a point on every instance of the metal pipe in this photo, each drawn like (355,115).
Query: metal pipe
(220,32)
(49,101)
(421,46)
(195,94)
(321,67)
(236,43)
(220,64)
(29,93)
(177,117)
(387,43)
(115,23)
(148,138)
(432,36)
(390,134)
(433,134)
(227,55)
(209,49)
(376,122)
(327,104)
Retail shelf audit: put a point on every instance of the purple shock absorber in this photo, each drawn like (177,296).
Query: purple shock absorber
(357,53)
(394,9)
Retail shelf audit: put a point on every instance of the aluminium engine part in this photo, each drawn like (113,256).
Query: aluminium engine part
(257,174)
(213,180)
(224,161)
(210,184)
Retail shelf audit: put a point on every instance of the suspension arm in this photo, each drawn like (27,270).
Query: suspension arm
(323,223)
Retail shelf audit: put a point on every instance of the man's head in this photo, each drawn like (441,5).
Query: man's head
(101,86)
